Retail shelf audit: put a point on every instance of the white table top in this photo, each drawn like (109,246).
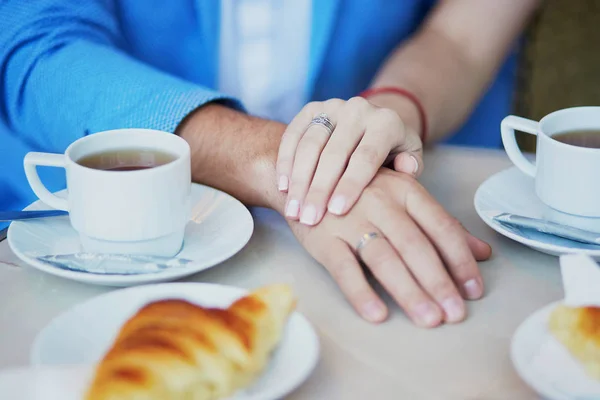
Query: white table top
(394,360)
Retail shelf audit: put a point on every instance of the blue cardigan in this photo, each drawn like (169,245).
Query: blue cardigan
(70,68)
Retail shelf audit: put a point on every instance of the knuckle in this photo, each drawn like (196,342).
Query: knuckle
(409,295)
(310,144)
(299,179)
(442,289)
(374,194)
(333,157)
(312,107)
(316,194)
(367,154)
(413,240)
(283,164)
(333,104)
(343,270)
(379,263)
(409,183)
(449,225)
(389,116)
(299,183)
(358,102)
(412,298)
(346,188)
(465,266)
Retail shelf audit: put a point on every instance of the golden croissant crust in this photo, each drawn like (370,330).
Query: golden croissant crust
(173,349)
(578,329)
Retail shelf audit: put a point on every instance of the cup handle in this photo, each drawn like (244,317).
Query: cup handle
(507,128)
(31,161)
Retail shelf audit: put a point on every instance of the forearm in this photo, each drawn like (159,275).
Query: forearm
(451,61)
(443,81)
(236,153)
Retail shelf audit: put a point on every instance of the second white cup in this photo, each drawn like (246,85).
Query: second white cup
(567,177)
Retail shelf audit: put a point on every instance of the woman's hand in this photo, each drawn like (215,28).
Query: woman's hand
(421,255)
(323,170)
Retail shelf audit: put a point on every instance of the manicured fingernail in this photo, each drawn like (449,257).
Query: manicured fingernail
(293,209)
(473,289)
(309,215)
(427,314)
(283,183)
(373,311)
(416,164)
(336,205)
(453,309)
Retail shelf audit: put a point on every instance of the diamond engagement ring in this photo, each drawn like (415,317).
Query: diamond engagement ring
(365,239)
(323,120)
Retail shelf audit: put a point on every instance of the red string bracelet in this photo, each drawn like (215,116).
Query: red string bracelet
(409,95)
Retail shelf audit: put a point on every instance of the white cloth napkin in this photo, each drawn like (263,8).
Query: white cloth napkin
(554,363)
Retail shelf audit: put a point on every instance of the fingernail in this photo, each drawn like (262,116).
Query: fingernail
(336,205)
(427,314)
(473,289)
(283,183)
(309,215)
(416,164)
(293,209)
(373,311)
(453,309)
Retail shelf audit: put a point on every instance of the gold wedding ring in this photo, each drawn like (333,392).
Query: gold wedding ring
(365,239)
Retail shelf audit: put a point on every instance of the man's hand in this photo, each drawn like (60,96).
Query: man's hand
(422,256)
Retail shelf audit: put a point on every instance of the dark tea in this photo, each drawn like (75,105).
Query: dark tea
(582,138)
(126,159)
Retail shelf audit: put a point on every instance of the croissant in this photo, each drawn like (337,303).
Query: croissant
(172,349)
(578,329)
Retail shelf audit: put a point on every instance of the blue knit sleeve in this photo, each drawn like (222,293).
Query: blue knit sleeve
(63,75)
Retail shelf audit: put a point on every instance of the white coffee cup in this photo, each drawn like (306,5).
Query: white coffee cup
(567,177)
(125,212)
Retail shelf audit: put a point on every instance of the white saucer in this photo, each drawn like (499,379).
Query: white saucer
(220,227)
(45,383)
(82,335)
(547,366)
(512,191)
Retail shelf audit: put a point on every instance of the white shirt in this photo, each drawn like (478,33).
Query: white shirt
(264,55)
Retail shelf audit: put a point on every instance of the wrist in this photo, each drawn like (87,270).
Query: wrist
(264,172)
(234,152)
(406,104)
(404,107)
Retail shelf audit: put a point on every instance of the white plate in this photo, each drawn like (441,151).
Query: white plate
(220,227)
(545,365)
(84,333)
(512,191)
(45,383)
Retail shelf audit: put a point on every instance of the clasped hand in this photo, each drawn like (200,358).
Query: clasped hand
(387,221)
